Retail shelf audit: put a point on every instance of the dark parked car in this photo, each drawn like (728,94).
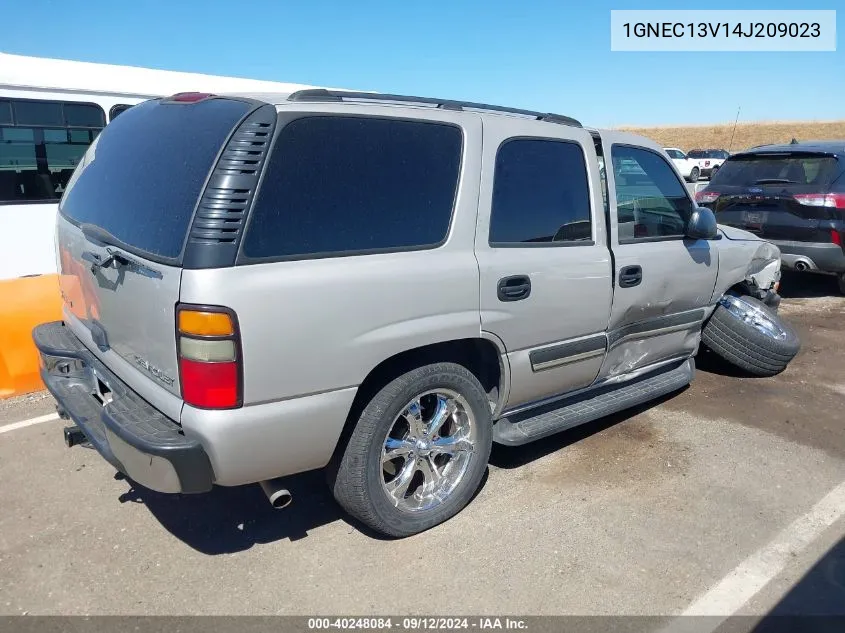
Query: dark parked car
(791,195)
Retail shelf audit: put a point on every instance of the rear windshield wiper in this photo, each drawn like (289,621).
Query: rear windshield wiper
(101,237)
(775,181)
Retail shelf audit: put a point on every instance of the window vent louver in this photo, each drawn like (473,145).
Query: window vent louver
(219,218)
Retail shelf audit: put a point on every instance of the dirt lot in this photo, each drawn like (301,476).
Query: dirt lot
(724,497)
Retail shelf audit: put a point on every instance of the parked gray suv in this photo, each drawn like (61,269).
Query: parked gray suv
(381,286)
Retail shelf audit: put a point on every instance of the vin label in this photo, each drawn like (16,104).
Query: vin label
(711,30)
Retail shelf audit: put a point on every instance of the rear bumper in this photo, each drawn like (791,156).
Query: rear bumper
(824,256)
(134,437)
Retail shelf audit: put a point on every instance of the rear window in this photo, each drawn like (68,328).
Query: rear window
(141,178)
(760,169)
(343,185)
(707,153)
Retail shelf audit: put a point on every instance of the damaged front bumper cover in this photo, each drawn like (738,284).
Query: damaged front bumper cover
(130,434)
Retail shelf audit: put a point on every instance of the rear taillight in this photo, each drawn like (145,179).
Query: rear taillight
(835,237)
(706,197)
(832,200)
(190,97)
(208,343)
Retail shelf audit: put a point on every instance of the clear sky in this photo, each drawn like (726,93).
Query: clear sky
(543,54)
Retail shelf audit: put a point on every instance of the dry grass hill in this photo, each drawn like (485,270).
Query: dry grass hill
(747,134)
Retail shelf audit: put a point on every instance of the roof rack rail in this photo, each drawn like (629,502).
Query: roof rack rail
(322,95)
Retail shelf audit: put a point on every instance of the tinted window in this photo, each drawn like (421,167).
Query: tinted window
(673,153)
(41,142)
(141,178)
(117,109)
(540,193)
(651,202)
(838,182)
(84,115)
(785,169)
(708,153)
(38,113)
(344,184)
(5,113)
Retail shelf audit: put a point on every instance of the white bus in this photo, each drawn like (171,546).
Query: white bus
(50,112)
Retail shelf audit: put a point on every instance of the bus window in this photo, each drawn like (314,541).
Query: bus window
(5,113)
(41,143)
(117,109)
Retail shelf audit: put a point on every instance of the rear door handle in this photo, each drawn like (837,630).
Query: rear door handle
(513,288)
(630,276)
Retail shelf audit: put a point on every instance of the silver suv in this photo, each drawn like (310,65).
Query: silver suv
(381,286)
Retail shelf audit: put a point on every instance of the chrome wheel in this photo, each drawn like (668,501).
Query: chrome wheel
(427,450)
(753,316)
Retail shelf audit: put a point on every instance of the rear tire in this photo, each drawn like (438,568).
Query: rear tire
(751,336)
(841,279)
(423,484)
(713,172)
(694,174)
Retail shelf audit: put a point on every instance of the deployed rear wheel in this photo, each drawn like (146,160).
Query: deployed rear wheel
(748,334)
(418,452)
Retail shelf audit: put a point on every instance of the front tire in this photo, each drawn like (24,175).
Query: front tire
(418,452)
(751,336)
(694,174)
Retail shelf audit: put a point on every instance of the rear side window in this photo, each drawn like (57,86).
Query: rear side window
(141,179)
(343,185)
(787,169)
(540,194)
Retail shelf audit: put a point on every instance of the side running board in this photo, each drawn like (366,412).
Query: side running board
(591,405)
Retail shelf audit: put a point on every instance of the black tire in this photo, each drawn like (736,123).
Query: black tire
(357,482)
(694,174)
(713,172)
(745,346)
(841,279)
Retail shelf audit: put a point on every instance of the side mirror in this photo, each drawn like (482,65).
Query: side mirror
(702,224)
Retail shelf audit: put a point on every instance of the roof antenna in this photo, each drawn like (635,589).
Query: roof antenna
(734,132)
(794,141)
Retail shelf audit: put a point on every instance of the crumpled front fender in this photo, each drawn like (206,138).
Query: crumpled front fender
(744,257)
(764,268)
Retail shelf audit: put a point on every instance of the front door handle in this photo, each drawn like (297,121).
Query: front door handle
(630,276)
(513,288)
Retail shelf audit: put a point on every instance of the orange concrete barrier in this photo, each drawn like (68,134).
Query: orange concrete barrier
(24,303)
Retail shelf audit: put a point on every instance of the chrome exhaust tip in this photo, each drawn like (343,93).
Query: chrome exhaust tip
(278,496)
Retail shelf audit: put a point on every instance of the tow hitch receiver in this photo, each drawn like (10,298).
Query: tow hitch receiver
(74,436)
